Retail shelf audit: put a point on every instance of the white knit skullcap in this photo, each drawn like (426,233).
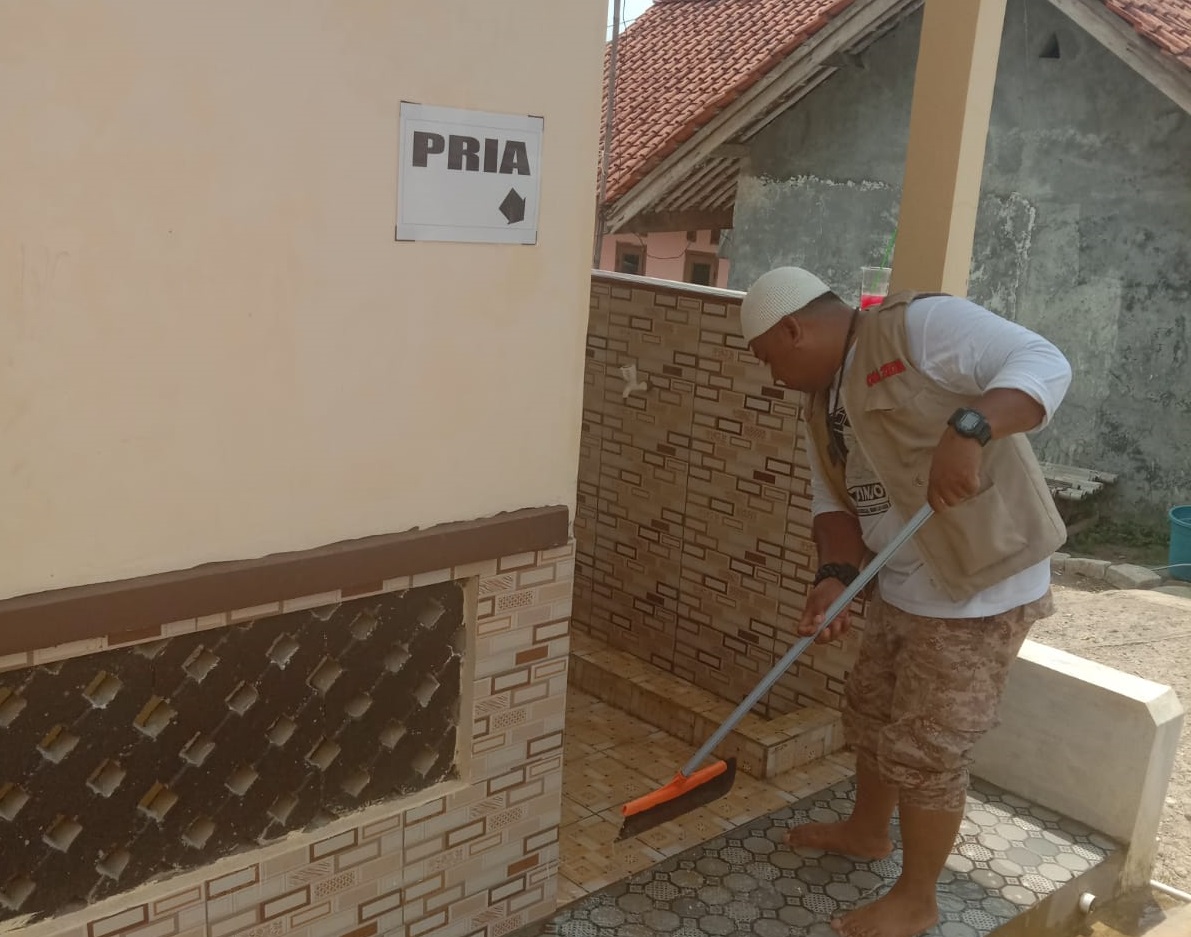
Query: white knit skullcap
(774,296)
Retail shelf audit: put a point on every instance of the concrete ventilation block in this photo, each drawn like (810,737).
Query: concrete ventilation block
(12,800)
(283,650)
(426,690)
(391,734)
(150,649)
(397,658)
(16,892)
(62,833)
(325,675)
(200,663)
(197,749)
(242,779)
(199,832)
(11,706)
(281,730)
(355,782)
(154,716)
(357,706)
(57,744)
(113,864)
(107,778)
(323,753)
(325,612)
(102,690)
(424,761)
(242,699)
(319,820)
(282,807)
(157,802)
(364,625)
(430,615)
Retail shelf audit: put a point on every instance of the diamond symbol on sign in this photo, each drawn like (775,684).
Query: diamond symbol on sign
(513,207)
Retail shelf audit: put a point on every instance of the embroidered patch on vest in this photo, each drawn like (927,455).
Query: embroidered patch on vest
(888,369)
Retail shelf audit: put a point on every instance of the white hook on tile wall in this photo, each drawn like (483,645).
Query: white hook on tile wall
(629,373)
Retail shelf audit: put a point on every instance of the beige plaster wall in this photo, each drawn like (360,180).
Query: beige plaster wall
(210,345)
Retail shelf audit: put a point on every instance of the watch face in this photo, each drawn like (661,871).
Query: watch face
(968,423)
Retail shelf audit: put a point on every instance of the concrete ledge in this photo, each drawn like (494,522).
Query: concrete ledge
(762,747)
(1121,575)
(1059,912)
(1090,742)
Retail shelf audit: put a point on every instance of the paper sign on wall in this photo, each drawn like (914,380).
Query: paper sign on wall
(468,176)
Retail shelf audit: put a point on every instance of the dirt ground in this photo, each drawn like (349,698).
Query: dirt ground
(1147,634)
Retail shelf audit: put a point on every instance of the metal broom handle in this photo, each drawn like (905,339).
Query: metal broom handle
(791,655)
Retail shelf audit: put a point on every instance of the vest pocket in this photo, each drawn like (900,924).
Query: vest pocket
(892,393)
(912,419)
(978,532)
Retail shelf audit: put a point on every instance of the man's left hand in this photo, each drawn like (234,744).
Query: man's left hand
(954,471)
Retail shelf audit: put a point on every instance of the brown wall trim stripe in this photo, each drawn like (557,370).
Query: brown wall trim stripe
(45,619)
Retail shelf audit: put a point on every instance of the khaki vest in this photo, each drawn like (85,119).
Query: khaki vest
(898,415)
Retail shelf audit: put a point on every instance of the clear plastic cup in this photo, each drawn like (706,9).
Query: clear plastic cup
(874,285)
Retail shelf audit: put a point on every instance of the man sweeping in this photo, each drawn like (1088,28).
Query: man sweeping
(923,399)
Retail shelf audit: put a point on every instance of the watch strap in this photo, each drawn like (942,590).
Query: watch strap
(844,572)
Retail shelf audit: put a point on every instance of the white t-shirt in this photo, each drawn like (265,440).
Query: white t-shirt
(968,350)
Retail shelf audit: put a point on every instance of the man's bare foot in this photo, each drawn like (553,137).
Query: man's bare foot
(840,838)
(897,914)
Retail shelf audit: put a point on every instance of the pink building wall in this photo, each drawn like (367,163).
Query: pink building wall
(665,253)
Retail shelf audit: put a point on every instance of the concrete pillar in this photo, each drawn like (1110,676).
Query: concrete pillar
(953,89)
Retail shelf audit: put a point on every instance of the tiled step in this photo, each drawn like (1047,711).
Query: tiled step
(1017,870)
(762,747)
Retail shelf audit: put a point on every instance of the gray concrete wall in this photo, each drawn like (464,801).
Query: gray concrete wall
(1083,234)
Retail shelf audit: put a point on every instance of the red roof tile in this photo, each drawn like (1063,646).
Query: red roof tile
(683,61)
(1165,23)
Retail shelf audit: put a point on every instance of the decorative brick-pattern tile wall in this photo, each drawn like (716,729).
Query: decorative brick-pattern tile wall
(477,856)
(693,527)
(642,448)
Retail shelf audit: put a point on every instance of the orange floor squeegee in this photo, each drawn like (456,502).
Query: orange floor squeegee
(693,786)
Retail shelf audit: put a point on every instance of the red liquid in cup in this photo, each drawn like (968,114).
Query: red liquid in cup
(870,299)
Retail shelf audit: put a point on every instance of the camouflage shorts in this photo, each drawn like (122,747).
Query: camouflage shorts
(924,690)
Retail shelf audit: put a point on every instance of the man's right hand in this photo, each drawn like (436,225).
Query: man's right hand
(817,603)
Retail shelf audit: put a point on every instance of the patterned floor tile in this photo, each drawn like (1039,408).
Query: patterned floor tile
(599,782)
(572,812)
(1009,856)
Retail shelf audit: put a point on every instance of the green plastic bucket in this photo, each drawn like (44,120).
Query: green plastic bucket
(1180,542)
